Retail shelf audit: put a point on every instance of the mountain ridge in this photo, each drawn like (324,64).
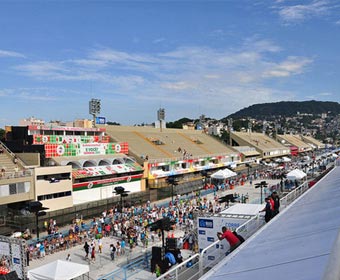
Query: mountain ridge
(286,108)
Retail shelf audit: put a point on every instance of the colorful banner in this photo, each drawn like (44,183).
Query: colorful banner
(191,165)
(80,149)
(106,182)
(68,139)
(105,170)
(65,128)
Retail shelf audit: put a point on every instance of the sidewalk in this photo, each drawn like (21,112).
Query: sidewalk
(103,264)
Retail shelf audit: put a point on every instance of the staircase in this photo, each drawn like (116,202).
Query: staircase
(6,162)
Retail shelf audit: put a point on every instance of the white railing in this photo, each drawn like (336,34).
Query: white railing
(187,270)
(291,196)
(15,174)
(251,226)
(212,255)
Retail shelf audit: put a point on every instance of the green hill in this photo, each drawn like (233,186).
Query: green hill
(286,108)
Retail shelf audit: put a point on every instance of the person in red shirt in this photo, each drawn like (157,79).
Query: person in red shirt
(272,203)
(234,242)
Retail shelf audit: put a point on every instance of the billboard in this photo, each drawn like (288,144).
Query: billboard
(100,120)
(13,250)
(39,139)
(85,149)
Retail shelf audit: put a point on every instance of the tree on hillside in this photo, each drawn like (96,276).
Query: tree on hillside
(179,123)
(2,134)
(112,123)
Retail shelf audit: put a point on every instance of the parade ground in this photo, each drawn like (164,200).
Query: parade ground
(103,264)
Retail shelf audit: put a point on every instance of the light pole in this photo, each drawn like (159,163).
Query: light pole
(119,190)
(261,185)
(248,166)
(38,210)
(173,182)
(206,174)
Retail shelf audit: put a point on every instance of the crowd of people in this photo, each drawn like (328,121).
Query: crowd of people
(130,224)
(130,227)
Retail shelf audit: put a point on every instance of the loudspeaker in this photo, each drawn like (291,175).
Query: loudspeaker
(171,243)
(158,253)
(11,276)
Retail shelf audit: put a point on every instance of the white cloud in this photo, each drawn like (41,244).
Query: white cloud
(325,94)
(38,93)
(158,40)
(198,75)
(261,45)
(4,53)
(41,69)
(302,12)
(181,85)
(291,66)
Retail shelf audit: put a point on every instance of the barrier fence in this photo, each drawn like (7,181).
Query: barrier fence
(291,196)
(129,269)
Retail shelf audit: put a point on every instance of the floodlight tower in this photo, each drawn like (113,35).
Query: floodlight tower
(94,109)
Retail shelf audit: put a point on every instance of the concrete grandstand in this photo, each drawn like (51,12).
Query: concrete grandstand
(266,146)
(71,166)
(294,140)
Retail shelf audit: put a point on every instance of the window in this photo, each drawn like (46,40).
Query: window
(12,189)
(21,187)
(54,195)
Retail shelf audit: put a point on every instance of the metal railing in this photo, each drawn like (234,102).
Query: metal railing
(291,196)
(130,269)
(15,174)
(19,161)
(187,270)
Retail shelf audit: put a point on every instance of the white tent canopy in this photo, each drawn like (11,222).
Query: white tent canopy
(286,159)
(58,270)
(223,174)
(283,159)
(296,174)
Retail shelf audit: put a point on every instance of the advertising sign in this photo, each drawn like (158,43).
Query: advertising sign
(39,139)
(100,120)
(81,149)
(207,233)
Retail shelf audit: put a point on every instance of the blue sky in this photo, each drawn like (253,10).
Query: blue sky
(189,57)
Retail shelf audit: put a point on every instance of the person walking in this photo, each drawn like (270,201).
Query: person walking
(93,253)
(122,246)
(68,258)
(268,210)
(87,249)
(112,252)
(100,245)
(276,199)
(233,241)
